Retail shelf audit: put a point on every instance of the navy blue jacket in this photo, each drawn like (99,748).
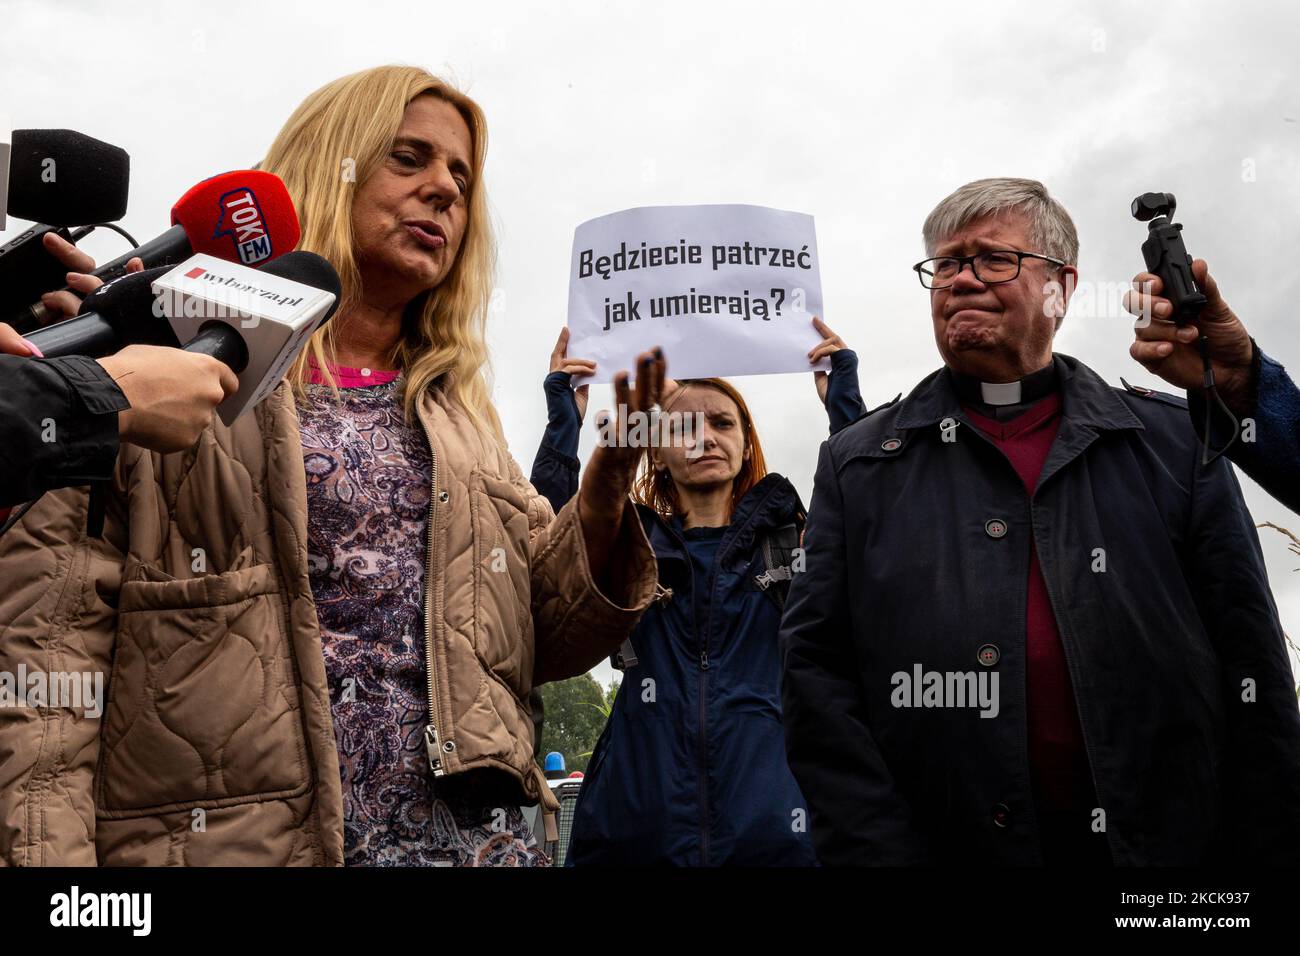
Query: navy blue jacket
(555,469)
(690,769)
(1272,455)
(749,810)
(917,550)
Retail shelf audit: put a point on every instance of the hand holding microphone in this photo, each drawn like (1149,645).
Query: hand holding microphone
(67,184)
(245,216)
(255,321)
(150,355)
(81,280)
(11,343)
(172,394)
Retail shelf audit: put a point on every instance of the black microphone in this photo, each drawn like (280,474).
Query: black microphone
(244,216)
(57,178)
(118,313)
(240,316)
(64,178)
(225,343)
(123,312)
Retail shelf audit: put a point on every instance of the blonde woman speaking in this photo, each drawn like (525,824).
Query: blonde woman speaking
(319,627)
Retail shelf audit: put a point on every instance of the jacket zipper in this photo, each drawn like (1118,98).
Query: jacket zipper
(432,742)
(704,757)
(703,763)
(711,582)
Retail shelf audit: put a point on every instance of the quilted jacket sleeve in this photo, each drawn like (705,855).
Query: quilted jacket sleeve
(58,622)
(575,626)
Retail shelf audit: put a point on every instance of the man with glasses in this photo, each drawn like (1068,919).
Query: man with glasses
(1032,627)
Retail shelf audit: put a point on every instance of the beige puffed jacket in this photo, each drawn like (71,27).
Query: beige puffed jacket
(215,744)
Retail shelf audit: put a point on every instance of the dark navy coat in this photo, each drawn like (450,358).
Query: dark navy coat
(691,767)
(917,552)
(1270,452)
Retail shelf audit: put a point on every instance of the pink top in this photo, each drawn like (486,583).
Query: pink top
(346,377)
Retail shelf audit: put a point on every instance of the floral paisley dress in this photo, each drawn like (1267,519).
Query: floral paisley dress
(367,511)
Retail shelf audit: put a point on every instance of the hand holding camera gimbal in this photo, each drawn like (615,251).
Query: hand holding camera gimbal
(1186,333)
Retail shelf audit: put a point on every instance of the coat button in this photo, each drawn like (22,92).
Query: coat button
(891,444)
(988,655)
(449,746)
(443,497)
(995,528)
(1001,814)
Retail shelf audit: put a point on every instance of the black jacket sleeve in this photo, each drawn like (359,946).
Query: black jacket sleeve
(1261,772)
(58,425)
(858,817)
(555,469)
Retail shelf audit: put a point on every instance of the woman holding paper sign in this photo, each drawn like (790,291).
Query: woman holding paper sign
(555,469)
(324,621)
(690,768)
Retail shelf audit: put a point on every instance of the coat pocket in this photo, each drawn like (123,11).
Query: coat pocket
(202,702)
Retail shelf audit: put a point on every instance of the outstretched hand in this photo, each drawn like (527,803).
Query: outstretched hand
(609,474)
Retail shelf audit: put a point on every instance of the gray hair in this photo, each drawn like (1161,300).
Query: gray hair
(1050,227)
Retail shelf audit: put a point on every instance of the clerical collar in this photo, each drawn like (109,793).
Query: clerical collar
(1005,396)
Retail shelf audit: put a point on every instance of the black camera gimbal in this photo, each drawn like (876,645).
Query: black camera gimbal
(1167,257)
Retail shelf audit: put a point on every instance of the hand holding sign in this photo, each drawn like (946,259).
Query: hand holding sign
(728,289)
(560,362)
(830,343)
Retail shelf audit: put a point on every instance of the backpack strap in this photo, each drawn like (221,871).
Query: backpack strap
(777,548)
(625,656)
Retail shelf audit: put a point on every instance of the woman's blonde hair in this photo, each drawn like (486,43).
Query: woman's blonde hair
(336,139)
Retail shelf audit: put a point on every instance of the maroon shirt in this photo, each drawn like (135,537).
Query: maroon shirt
(1058,760)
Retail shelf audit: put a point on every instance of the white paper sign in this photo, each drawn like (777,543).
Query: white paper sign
(725,290)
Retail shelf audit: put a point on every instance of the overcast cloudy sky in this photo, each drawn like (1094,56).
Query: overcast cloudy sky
(862,115)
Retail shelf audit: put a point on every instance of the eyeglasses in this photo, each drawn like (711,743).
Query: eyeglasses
(989,267)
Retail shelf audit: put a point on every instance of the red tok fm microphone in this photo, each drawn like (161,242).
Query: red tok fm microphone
(244,216)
